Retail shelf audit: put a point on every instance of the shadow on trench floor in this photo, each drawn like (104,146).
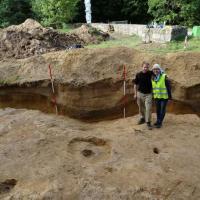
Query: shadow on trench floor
(175,107)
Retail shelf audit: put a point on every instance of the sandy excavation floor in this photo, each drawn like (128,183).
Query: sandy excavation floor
(54,157)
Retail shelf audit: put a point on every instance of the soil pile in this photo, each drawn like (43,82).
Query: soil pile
(30,38)
(90,34)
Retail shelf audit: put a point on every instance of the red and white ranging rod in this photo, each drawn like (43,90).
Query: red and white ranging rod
(53,89)
(124,77)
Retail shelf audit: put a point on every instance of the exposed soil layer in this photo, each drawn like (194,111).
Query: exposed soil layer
(89,85)
(36,99)
(50,157)
(79,103)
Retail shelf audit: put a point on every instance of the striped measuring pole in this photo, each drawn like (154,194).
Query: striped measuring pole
(53,90)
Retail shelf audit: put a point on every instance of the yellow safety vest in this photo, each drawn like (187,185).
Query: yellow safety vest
(159,88)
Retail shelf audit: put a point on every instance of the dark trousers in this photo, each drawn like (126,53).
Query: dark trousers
(161,105)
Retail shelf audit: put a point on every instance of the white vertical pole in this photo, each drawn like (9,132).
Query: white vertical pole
(53,90)
(88,12)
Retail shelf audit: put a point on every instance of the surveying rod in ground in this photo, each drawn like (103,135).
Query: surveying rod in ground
(124,76)
(53,90)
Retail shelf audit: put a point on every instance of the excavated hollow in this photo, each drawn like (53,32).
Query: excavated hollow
(90,103)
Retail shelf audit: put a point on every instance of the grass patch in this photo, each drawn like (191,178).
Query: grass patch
(158,48)
(66,28)
(10,80)
(130,42)
(178,46)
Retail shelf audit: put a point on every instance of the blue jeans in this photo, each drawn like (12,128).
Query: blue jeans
(161,105)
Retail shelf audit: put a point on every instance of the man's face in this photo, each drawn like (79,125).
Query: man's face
(145,68)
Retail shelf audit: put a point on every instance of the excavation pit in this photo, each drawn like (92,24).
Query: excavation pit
(7,185)
(156,150)
(37,98)
(87,152)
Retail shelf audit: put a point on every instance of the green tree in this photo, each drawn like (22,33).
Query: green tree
(107,10)
(80,16)
(14,11)
(136,11)
(190,12)
(185,12)
(55,12)
(165,10)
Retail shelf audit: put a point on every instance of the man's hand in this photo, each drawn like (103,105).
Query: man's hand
(170,101)
(135,96)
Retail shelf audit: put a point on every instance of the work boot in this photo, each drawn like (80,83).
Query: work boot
(155,124)
(141,121)
(158,125)
(149,125)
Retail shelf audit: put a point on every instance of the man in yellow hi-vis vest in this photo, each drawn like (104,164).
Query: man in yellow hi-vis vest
(161,93)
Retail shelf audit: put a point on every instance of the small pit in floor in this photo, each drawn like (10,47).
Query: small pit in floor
(156,150)
(87,152)
(7,185)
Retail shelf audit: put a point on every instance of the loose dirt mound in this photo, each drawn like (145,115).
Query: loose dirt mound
(91,35)
(30,38)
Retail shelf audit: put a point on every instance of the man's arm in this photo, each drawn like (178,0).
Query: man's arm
(135,91)
(135,82)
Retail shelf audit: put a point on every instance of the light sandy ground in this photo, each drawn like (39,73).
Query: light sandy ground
(58,158)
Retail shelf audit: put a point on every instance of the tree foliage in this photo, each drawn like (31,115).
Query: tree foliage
(136,11)
(184,12)
(107,10)
(58,12)
(190,12)
(55,12)
(14,11)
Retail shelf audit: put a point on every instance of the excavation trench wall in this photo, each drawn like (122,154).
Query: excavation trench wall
(101,100)
(89,85)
